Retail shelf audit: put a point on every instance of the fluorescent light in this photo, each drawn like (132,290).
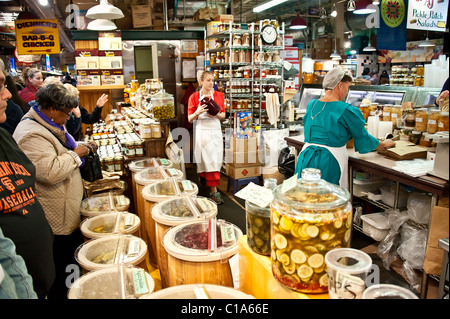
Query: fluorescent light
(267,5)
(101,25)
(104,11)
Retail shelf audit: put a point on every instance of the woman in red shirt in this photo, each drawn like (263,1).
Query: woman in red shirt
(208,141)
(34,81)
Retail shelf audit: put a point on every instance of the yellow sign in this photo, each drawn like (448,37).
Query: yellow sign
(37,36)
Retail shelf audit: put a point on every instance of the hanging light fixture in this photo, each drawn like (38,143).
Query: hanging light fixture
(427,43)
(298,22)
(334,11)
(322,12)
(104,10)
(362,7)
(376,2)
(369,48)
(335,55)
(101,25)
(351,5)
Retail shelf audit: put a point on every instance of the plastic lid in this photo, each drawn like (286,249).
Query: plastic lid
(107,224)
(162,95)
(168,188)
(141,164)
(202,241)
(155,174)
(111,250)
(311,192)
(348,260)
(104,203)
(387,291)
(175,211)
(116,282)
(198,291)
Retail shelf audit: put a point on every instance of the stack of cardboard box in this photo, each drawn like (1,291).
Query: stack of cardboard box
(243,158)
(323,47)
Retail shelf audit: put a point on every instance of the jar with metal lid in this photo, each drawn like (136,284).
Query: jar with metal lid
(420,70)
(156,130)
(373,109)
(443,122)
(433,119)
(227,56)
(396,114)
(235,56)
(417,81)
(139,148)
(309,218)
(387,109)
(421,119)
(212,58)
(109,164)
(246,39)
(248,56)
(118,163)
(129,149)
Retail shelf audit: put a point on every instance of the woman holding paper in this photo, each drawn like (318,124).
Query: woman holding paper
(208,141)
(329,123)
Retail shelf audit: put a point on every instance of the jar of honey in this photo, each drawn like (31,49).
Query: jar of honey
(421,120)
(308,78)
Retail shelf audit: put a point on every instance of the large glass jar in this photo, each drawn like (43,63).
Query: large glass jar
(443,122)
(396,114)
(433,119)
(308,220)
(421,119)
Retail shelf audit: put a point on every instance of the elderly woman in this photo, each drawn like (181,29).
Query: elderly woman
(42,137)
(33,79)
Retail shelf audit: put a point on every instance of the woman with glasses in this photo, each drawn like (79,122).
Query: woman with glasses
(41,135)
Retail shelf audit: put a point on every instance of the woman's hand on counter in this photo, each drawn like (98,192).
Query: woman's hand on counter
(386,144)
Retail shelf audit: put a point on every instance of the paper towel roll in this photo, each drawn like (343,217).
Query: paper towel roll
(384,128)
(372,125)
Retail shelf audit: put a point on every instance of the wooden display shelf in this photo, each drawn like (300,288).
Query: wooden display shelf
(256,278)
(100,87)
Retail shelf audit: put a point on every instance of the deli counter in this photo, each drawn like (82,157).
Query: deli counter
(382,94)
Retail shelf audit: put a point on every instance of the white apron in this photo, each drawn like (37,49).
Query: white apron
(341,156)
(208,142)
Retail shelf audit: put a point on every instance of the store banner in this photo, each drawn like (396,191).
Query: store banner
(391,35)
(35,36)
(430,15)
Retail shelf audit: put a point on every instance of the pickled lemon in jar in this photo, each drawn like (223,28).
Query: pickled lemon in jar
(433,119)
(308,220)
(443,122)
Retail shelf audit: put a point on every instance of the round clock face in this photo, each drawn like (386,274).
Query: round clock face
(269,34)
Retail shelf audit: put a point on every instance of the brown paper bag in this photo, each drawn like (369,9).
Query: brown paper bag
(438,230)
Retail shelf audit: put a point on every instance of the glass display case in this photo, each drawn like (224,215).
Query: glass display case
(356,96)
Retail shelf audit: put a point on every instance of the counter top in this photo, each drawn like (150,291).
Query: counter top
(380,165)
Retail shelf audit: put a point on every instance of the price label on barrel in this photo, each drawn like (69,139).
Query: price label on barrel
(140,283)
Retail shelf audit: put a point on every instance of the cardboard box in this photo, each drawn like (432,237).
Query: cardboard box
(158,24)
(212,27)
(112,79)
(323,43)
(224,18)
(323,54)
(110,40)
(142,16)
(243,159)
(242,172)
(87,63)
(107,62)
(88,80)
(243,144)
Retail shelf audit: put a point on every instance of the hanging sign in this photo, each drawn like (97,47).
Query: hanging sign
(430,15)
(37,36)
(391,34)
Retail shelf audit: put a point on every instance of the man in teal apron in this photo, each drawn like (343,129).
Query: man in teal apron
(328,124)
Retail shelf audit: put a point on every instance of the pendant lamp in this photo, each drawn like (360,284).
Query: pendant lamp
(333,11)
(376,2)
(335,55)
(104,10)
(101,25)
(351,5)
(369,48)
(427,43)
(362,7)
(298,22)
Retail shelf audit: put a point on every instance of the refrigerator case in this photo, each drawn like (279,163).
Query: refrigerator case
(356,96)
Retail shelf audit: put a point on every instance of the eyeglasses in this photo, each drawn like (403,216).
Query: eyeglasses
(66,114)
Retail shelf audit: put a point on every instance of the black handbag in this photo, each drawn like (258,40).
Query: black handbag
(92,168)
(286,163)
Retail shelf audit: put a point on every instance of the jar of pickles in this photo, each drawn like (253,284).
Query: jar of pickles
(258,228)
(421,119)
(309,219)
(433,119)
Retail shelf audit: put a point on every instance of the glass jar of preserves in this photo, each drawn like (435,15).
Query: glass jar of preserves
(373,109)
(226,56)
(258,228)
(409,118)
(237,39)
(129,149)
(396,115)
(387,109)
(235,56)
(309,219)
(433,119)
(242,56)
(248,56)
(364,108)
(417,81)
(308,78)
(246,39)
(212,59)
(118,163)
(420,70)
(139,148)
(443,122)
(109,164)
(421,119)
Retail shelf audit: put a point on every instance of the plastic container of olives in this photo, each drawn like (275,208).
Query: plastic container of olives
(163,106)
(258,228)
(309,219)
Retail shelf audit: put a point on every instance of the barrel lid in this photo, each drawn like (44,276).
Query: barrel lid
(172,212)
(141,164)
(202,241)
(104,203)
(115,282)
(111,250)
(168,188)
(190,291)
(155,174)
(108,224)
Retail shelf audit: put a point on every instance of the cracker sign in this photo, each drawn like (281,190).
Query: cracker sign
(37,36)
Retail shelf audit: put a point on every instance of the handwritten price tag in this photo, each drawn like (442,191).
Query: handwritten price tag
(256,194)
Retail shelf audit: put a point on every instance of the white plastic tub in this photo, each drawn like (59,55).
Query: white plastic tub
(189,292)
(109,224)
(376,225)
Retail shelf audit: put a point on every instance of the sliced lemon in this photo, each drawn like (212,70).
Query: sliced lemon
(298,256)
(304,272)
(284,259)
(348,221)
(286,223)
(315,260)
(337,223)
(275,218)
(347,236)
(323,281)
(325,235)
(290,268)
(280,241)
(312,231)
